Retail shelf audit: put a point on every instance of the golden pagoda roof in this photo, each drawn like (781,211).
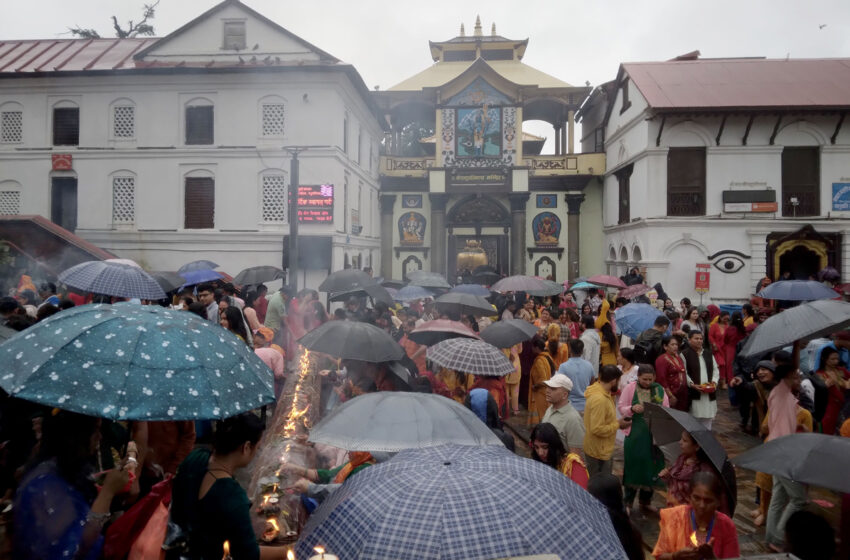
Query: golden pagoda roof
(514,71)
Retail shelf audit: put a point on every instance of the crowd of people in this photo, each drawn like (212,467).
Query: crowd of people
(581,384)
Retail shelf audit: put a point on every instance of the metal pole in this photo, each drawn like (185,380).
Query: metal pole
(293,221)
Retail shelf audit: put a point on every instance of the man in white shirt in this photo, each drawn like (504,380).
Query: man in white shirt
(562,414)
(592,342)
(702,378)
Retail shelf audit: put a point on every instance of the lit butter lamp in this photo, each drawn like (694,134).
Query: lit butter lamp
(226,549)
(695,540)
(320,554)
(271,531)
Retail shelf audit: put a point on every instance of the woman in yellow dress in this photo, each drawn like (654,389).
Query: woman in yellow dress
(541,370)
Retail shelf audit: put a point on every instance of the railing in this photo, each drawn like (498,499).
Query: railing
(406,166)
(567,164)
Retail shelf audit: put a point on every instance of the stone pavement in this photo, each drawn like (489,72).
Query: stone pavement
(728,432)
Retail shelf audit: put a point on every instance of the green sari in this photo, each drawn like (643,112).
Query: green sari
(643,461)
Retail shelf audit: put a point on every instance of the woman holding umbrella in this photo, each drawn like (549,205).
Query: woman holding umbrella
(641,464)
(679,477)
(698,529)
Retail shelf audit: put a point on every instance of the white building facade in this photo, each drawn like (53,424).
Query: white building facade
(740,165)
(171,150)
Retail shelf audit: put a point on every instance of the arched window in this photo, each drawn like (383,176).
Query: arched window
(11,123)
(199,200)
(123,119)
(200,122)
(66,123)
(123,198)
(10,198)
(273,203)
(272,111)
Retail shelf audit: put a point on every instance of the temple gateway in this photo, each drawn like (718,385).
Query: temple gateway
(463,186)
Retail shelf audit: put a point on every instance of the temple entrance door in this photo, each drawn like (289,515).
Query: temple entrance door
(466,252)
(801,262)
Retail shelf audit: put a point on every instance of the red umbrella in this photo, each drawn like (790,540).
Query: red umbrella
(605,280)
(432,332)
(630,292)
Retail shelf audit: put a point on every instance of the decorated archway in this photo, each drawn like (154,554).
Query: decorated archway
(803,253)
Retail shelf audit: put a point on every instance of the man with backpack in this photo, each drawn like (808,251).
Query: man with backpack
(648,345)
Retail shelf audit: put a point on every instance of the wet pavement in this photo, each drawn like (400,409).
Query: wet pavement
(727,429)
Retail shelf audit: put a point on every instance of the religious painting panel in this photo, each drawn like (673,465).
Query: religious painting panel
(411,201)
(447,122)
(411,228)
(479,132)
(547,229)
(509,135)
(547,201)
(479,92)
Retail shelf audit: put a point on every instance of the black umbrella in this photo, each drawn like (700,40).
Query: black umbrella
(345,280)
(374,291)
(197,265)
(353,340)
(504,334)
(484,278)
(808,320)
(258,275)
(816,459)
(667,425)
(465,304)
(168,281)
(428,280)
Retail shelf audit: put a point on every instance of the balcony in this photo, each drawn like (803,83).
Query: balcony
(397,166)
(566,164)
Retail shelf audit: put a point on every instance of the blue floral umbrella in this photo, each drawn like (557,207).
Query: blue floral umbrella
(134,362)
(452,502)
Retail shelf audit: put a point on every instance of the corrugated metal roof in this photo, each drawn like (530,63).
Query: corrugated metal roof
(50,55)
(743,83)
(512,70)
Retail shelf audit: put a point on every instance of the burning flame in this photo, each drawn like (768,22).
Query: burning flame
(290,555)
(266,499)
(694,539)
(274,524)
(226,549)
(319,549)
(298,409)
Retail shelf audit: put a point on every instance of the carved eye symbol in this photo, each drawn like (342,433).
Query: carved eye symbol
(729,264)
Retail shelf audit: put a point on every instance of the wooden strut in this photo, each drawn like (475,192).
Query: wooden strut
(660,130)
(775,129)
(837,128)
(747,131)
(720,132)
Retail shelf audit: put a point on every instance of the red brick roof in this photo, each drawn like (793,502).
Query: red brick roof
(70,54)
(743,83)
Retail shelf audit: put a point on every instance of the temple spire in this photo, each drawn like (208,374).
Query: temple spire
(462,31)
(493,30)
(478,26)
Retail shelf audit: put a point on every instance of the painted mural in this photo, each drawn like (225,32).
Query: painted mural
(479,132)
(478,93)
(411,228)
(547,229)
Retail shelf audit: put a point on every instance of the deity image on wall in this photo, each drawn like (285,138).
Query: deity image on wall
(411,228)
(547,229)
(479,132)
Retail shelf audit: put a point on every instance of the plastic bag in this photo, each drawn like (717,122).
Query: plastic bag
(121,534)
(148,544)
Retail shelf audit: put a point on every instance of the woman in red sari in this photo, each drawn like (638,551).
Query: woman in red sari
(670,374)
(698,529)
(837,380)
(717,339)
(734,333)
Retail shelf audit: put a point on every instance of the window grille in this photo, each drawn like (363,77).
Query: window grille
(273,119)
(10,203)
(123,200)
(11,126)
(274,198)
(66,126)
(124,121)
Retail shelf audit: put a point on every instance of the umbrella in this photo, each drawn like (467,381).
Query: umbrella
(193,277)
(816,459)
(353,340)
(128,262)
(412,293)
(634,318)
(470,356)
(504,334)
(168,281)
(374,291)
(550,288)
(633,291)
(808,320)
(345,280)
(112,279)
(402,373)
(485,278)
(472,289)
(392,421)
(464,304)
(428,280)
(797,290)
(258,275)
(452,502)
(667,425)
(829,274)
(197,265)
(607,281)
(520,283)
(584,286)
(135,362)
(6,333)
(432,332)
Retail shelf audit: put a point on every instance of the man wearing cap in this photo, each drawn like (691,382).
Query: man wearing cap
(562,414)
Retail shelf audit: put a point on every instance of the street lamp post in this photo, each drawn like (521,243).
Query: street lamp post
(294,181)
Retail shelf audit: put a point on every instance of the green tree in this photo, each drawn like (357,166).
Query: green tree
(133,29)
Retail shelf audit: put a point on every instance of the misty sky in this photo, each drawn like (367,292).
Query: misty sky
(387,41)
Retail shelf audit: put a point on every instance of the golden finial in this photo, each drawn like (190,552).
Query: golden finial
(462,31)
(493,30)
(478,26)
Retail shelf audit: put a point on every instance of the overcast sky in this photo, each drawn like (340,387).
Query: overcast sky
(577,42)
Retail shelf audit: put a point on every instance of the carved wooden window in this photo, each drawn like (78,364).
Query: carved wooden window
(123,200)
(11,127)
(800,181)
(10,203)
(66,126)
(199,203)
(623,182)
(686,182)
(274,199)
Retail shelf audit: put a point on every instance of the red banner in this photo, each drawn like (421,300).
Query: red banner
(62,162)
(702,282)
